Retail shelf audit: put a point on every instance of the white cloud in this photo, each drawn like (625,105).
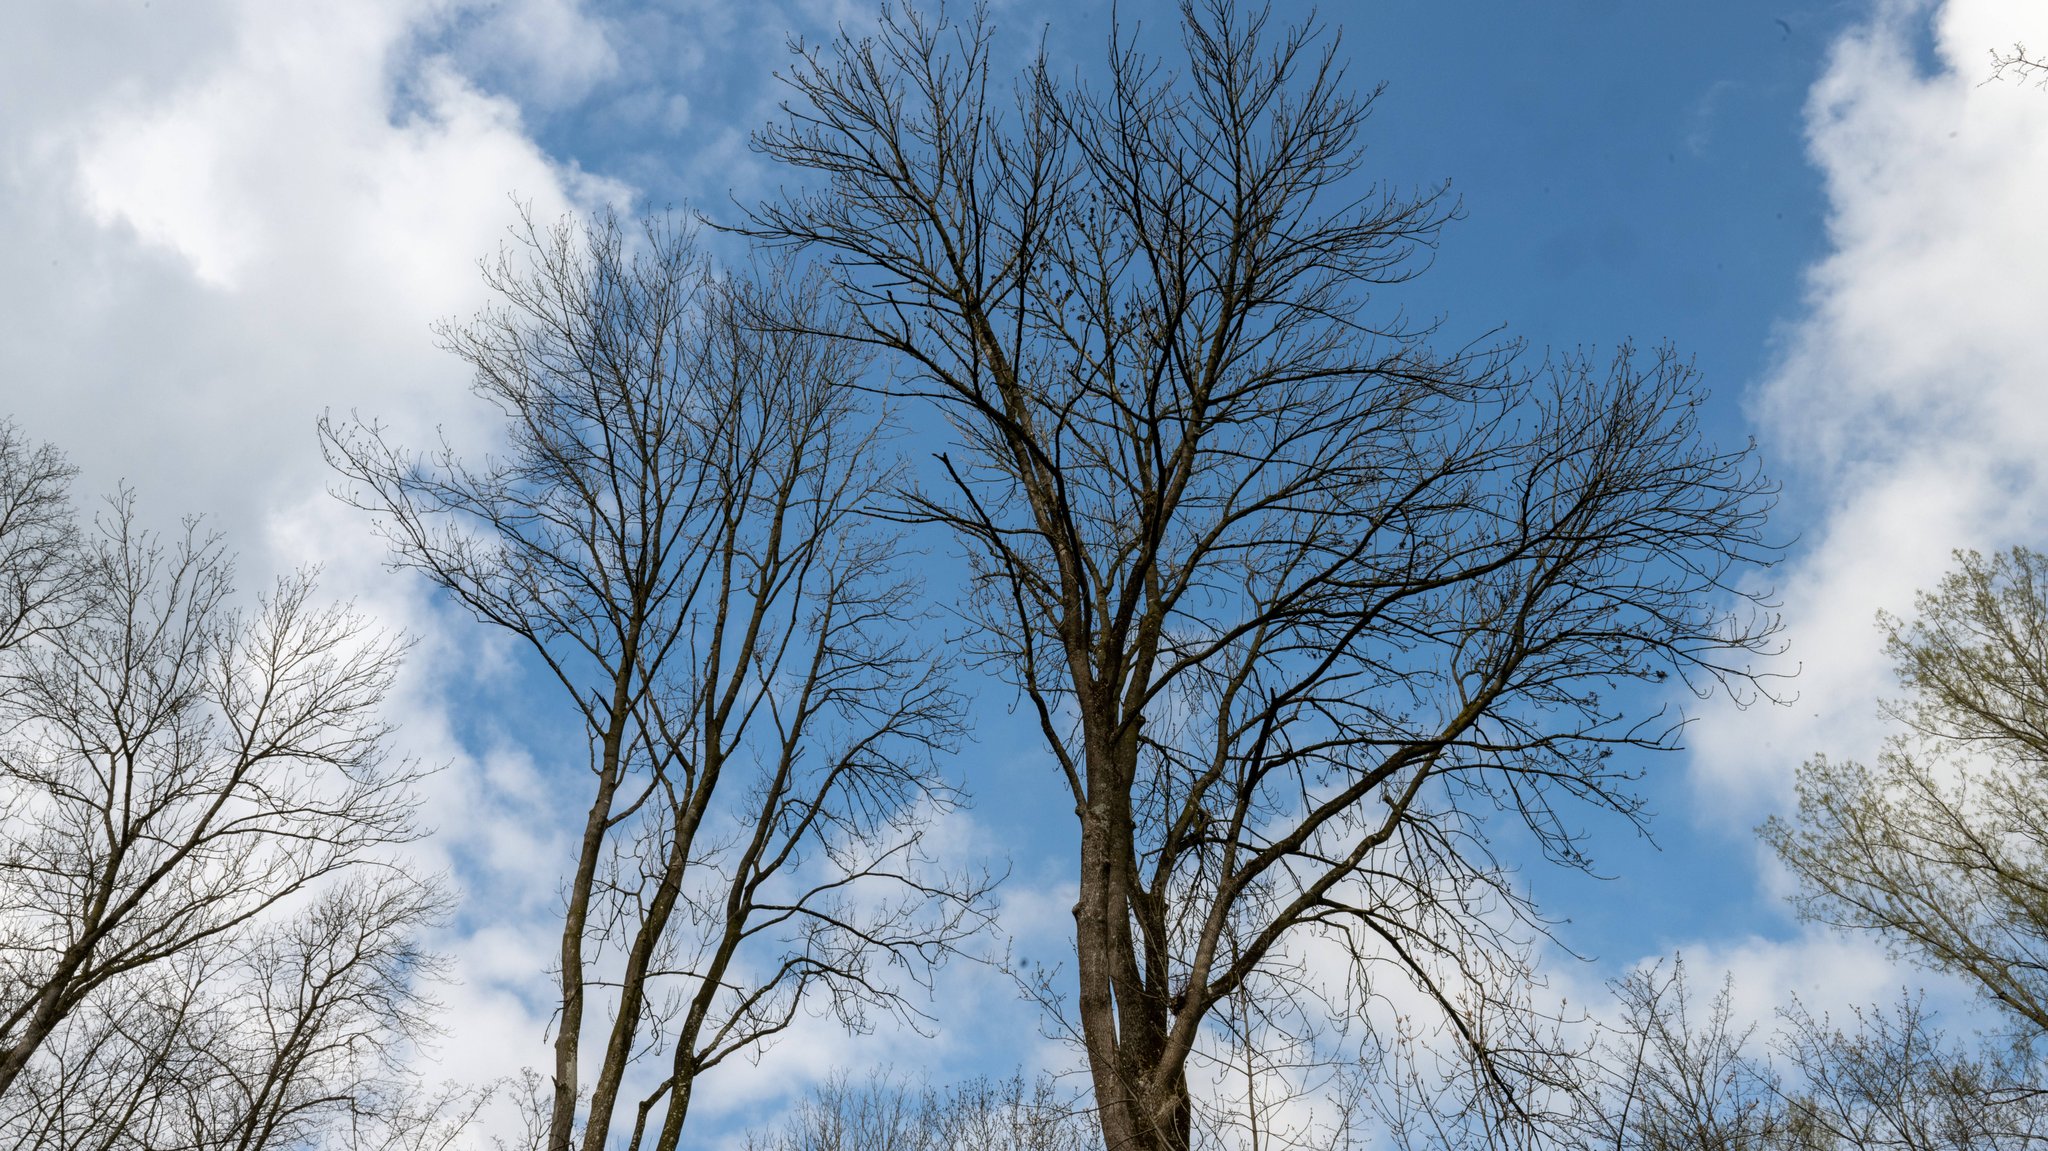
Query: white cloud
(1907,412)
(234,220)
(1907,408)
(214,251)
(548,52)
(223,217)
(1825,970)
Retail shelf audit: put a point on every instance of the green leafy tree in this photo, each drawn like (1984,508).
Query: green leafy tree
(1942,848)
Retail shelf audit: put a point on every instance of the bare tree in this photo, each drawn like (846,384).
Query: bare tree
(38,538)
(1674,1076)
(199,945)
(1300,602)
(1428,1087)
(1942,850)
(1668,1070)
(1679,1076)
(676,532)
(296,1037)
(176,769)
(1659,1070)
(883,1114)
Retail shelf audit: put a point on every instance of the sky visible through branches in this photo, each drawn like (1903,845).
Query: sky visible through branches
(228,217)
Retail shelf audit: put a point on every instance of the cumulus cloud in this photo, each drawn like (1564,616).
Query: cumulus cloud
(1905,414)
(550,53)
(216,241)
(225,217)
(1906,409)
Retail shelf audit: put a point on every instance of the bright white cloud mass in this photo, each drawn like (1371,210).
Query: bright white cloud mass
(1906,410)
(222,218)
(223,221)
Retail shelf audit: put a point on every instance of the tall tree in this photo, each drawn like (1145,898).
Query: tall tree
(1942,849)
(1300,602)
(676,531)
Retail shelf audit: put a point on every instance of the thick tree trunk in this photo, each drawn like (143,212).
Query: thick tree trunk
(1140,1091)
(1096,1002)
(48,1012)
(15,1059)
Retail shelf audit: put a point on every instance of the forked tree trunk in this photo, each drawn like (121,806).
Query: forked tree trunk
(1141,1089)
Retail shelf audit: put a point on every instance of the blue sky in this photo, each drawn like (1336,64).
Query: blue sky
(220,218)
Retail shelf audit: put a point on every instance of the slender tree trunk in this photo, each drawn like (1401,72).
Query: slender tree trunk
(633,985)
(575,921)
(569,1033)
(632,997)
(688,1060)
(678,1110)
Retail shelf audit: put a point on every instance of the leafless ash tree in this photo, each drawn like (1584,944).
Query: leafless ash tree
(1302,603)
(1678,1074)
(675,531)
(199,945)
(1666,1069)
(1891,1080)
(300,1036)
(1424,1085)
